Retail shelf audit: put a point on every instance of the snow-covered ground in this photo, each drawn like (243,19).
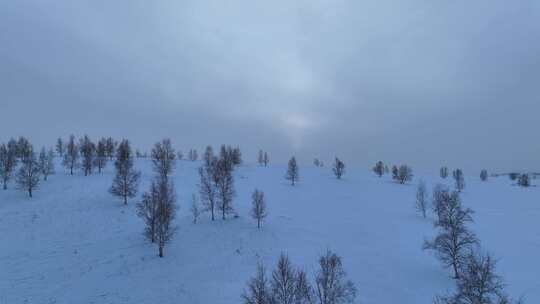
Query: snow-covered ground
(75,243)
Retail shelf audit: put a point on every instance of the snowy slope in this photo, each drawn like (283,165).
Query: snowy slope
(75,243)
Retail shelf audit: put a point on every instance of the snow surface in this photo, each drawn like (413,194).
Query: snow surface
(75,243)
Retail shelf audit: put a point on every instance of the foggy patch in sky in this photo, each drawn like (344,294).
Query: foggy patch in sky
(422,82)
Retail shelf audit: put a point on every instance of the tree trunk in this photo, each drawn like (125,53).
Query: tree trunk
(125,199)
(5,185)
(160,251)
(30,192)
(456,273)
(258,224)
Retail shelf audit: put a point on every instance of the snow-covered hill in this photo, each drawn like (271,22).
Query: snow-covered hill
(75,243)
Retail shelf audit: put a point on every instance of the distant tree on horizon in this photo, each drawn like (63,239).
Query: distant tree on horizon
(8,162)
(395,172)
(60,147)
(266,160)
(46,163)
(28,175)
(379,168)
(524,180)
(459,180)
(483,175)
(163,156)
(292,171)
(126,180)
(403,174)
(110,147)
(260,157)
(208,156)
(87,150)
(339,168)
(71,156)
(100,161)
(444,172)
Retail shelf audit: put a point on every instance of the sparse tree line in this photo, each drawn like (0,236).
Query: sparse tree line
(19,160)
(216,181)
(400,174)
(458,248)
(262,158)
(290,285)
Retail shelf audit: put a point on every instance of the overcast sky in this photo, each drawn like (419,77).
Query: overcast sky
(423,82)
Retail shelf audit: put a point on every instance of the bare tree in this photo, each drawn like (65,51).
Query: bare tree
(163,156)
(332,287)
(303,292)
(8,162)
(258,207)
(71,156)
(454,240)
(395,172)
(225,186)
(60,147)
(283,282)
(208,156)
(126,180)
(100,160)
(87,150)
(195,210)
(236,156)
(339,168)
(111,147)
(483,175)
(208,187)
(166,211)
(292,171)
(379,168)
(403,174)
(441,194)
(260,158)
(421,198)
(478,284)
(513,175)
(193,155)
(225,155)
(24,148)
(147,210)
(46,163)
(523,180)
(266,160)
(258,291)
(444,172)
(28,174)
(459,179)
